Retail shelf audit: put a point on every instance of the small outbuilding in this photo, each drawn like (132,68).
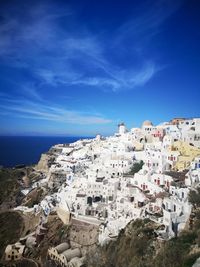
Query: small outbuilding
(14,252)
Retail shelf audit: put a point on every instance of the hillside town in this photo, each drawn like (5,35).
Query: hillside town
(99,185)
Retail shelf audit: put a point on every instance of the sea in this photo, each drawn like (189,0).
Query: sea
(26,150)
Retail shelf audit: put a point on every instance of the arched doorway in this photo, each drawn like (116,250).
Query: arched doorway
(89,201)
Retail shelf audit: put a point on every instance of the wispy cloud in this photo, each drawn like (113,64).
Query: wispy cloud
(30,91)
(24,108)
(57,55)
(147,22)
(123,80)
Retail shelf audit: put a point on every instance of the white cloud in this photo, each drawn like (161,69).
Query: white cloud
(43,111)
(57,55)
(50,52)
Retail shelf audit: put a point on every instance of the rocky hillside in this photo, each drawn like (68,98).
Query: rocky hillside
(12,226)
(138,246)
(10,187)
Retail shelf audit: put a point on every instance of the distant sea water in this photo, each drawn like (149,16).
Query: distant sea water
(16,150)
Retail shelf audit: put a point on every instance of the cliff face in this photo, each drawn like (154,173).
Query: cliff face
(133,247)
(137,246)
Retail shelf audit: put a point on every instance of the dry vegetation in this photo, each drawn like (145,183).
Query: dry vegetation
(12,226)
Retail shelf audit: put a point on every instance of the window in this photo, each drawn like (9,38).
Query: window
(174,207)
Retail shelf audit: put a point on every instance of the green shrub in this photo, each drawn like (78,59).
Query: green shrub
(137,166)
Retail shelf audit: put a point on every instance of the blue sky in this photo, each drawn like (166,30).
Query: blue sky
(81,67)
